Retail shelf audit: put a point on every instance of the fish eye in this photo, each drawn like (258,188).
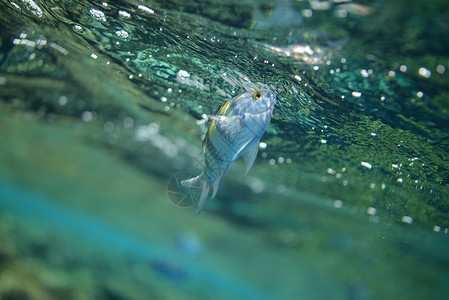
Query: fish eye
(257,95)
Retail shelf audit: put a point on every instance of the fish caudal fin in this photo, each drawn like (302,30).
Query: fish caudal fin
(198,185)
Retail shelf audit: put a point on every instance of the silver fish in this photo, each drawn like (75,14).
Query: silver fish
(235,131)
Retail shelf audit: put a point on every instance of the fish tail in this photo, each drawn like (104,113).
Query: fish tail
(196,185)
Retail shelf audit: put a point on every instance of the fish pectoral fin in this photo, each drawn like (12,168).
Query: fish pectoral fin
(250,154)
(240,151)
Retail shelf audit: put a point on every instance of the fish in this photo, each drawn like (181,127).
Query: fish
(235,131)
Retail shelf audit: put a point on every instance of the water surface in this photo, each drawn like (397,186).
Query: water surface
(103,102)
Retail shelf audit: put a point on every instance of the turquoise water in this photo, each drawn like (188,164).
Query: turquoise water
(101,103)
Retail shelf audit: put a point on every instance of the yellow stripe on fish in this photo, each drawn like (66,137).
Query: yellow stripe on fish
(220,111)
(224,108)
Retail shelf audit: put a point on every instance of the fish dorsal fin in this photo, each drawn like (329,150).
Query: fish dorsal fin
(250,154)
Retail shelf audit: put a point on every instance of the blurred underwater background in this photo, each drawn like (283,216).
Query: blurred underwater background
(102,103)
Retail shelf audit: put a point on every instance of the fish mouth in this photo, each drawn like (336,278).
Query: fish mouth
(271,95)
